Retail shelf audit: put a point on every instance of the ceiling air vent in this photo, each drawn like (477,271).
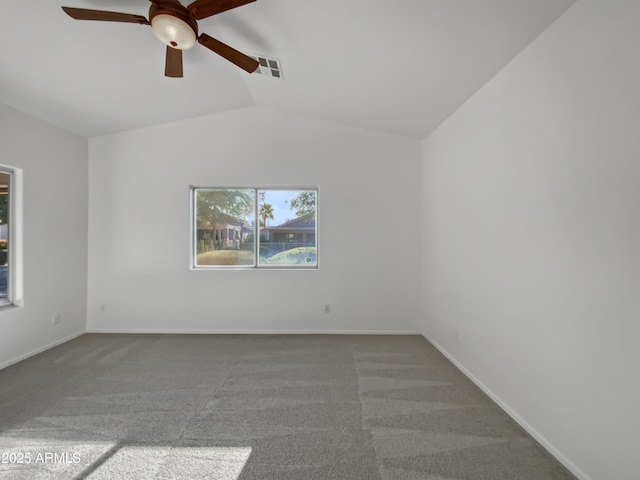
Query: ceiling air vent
(268,66)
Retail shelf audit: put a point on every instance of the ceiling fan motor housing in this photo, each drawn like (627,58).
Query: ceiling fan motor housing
(172,24)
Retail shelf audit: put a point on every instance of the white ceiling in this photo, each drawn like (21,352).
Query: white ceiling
(396,66)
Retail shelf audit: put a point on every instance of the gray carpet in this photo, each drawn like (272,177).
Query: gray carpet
(248,407)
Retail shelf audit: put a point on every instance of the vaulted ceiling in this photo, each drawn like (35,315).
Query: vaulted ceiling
(395,66)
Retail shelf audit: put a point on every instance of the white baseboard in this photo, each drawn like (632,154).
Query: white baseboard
(568,464)
(41,349)
(188,331)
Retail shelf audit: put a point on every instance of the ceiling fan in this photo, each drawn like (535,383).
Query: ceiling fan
(177,27)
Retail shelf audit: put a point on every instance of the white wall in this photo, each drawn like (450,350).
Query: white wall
(532,238)
(54,167)
(369,203)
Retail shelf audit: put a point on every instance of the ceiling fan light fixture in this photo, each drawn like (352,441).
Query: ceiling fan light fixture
(173,31)
(176,26)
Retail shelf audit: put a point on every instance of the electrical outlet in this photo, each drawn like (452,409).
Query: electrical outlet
(55,319)
(327,308)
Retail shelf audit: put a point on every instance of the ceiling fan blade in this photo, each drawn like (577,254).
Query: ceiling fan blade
(205,8)
(234,56)
(85,14)
(173,63)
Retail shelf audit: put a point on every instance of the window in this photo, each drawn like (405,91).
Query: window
(6,237)
(251,227)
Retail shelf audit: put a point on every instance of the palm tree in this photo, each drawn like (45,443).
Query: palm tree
(266,211)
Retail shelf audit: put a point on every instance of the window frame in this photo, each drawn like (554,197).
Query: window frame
(193,225)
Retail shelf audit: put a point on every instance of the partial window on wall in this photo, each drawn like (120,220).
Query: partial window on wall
(253,228)
(6,289)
